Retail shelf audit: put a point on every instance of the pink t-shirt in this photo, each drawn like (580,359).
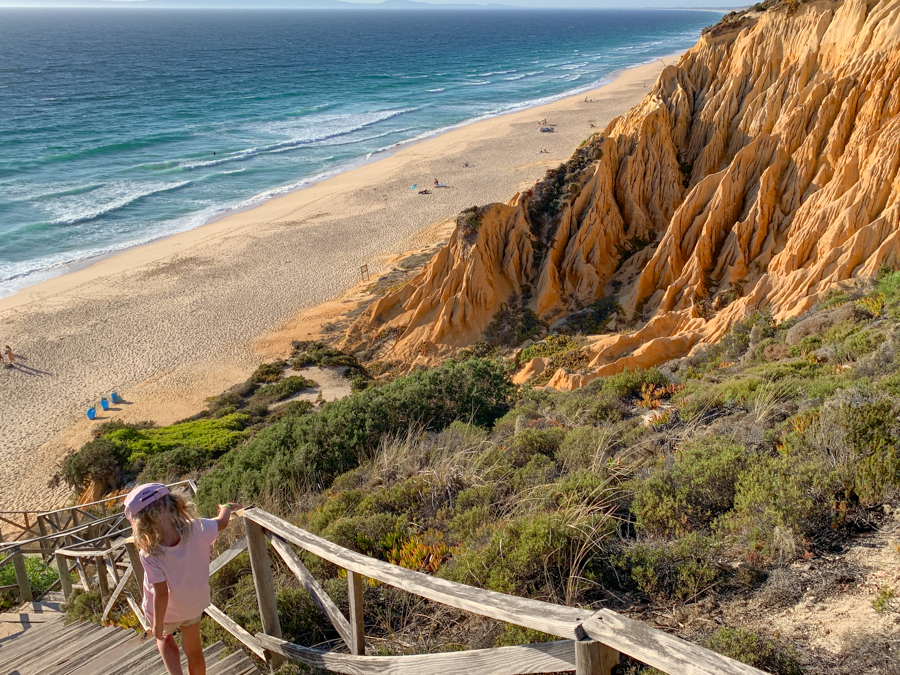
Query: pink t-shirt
(185,568)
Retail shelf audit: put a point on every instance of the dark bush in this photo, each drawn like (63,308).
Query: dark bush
(312,450)
(754,650)
(690,491)
(267,372)
(665,570)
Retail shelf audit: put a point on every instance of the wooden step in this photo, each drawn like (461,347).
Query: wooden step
(33,643)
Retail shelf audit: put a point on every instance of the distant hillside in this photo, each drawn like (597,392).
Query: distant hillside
(243,4)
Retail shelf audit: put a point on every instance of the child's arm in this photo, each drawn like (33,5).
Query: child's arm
(160,602)
(225,514)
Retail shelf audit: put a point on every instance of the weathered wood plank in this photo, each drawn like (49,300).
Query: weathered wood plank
(65,580)
(264,584)
(659,649)
(228,555)
(102,580)
(22,577)
(545,657)
(553,619)
(357,625)
(117,591)
(136,566)
(138,612)
(237,631)
(319,596)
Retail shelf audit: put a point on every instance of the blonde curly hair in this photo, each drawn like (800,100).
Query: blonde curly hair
(146,524)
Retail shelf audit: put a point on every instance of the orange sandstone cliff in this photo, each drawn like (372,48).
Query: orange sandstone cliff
(757,173)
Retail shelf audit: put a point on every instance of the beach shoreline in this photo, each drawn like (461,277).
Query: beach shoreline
(174,321)
(309,181)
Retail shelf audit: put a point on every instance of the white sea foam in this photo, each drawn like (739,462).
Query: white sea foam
(78,207)
(304,131)
(436,91)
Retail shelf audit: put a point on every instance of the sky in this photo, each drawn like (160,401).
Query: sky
(606,4)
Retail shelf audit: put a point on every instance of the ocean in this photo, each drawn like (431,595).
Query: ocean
(121,126)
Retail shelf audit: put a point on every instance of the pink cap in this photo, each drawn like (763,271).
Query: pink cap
(142,496)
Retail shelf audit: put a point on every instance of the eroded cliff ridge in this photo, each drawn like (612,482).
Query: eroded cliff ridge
(757,173)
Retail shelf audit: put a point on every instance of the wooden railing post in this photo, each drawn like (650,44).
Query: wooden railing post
(137,568)
(102,581)
(265,586)
(22,577)
(357,627)
(594,658)
(65,581)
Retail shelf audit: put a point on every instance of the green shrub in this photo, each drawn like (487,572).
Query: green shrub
(691,492)
(529,442)
(513,635)
(98,460)
(302,622)
(786,494)
(513,324)
(312,450)
(593,319)
(585,447)
(84,606)
(628,383)
(267,372)
(40,575)
(172,465)
(665,570)
(284,388)
(550,345)
(861,343)
(748,647)
(534,554)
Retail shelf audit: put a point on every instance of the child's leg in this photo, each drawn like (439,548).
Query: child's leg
(193,650)
(168,649)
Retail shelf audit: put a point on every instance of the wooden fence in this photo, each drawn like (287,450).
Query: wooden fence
(592,642)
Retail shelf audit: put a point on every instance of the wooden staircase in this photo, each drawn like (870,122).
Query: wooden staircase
(45,646)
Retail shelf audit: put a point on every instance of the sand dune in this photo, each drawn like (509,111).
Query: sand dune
(173,322)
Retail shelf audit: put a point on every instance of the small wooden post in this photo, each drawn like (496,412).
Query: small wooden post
(594,658)
(42,526)
(74,514)
(265,586)
(357,627)
(137,568)
(102,582)
(65,581)
(22,577)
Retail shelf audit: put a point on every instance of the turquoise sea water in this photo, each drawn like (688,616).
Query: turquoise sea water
(121,126)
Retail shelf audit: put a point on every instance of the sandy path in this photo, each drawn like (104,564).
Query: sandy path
(174,322)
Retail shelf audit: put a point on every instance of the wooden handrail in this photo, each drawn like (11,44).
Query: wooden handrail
(553,619)
(189,483)
(59,535)
(595,639)
(599,637)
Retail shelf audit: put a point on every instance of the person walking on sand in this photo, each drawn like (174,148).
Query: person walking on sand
(174,552)
(10,356)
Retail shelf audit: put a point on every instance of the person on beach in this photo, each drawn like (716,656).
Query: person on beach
(436,182)
(10,356)
(174,552)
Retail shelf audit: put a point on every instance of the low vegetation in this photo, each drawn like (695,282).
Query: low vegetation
(701,481)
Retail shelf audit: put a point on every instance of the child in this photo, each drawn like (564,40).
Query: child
(174,550)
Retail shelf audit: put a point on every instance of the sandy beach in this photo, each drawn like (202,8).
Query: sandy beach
(173,322)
